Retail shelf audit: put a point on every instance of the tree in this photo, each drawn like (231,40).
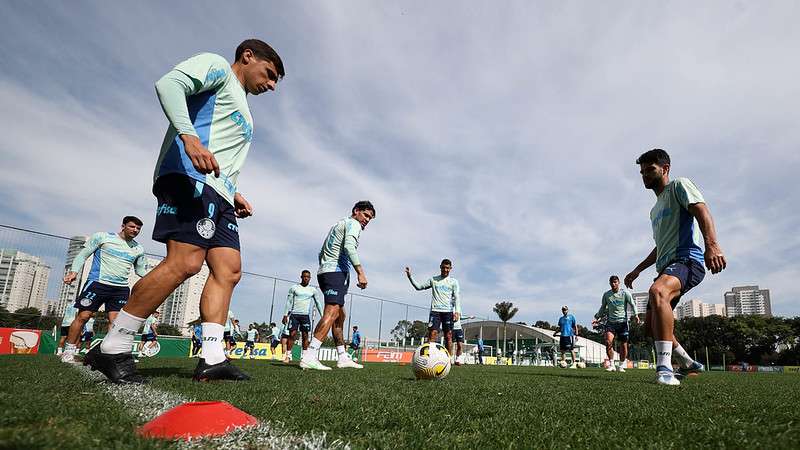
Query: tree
(165,329)
(505,311)
(400,331)
(543,324)
(408,330)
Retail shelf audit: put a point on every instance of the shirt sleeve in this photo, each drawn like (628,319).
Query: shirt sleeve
(139,266)
(602,309)
(90,247)
(352,233)
(456,297)
(289,299)
(687,193)
(629,299)
(197,74)
(421,287)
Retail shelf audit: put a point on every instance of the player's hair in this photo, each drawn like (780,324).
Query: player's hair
(446,261)
(261,50)
(305,271)
(133,219)
(272,324)
(612,278)
(654,156)
(364,205)
(355,327)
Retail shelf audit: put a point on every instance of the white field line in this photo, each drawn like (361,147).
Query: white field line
(146,403)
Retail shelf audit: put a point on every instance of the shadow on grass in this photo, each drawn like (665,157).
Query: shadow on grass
(585,376)
(166,372)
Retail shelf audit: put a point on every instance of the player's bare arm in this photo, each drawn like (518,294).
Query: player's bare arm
(714,258)
(202,159)
(649,261)
(70,277)
(242,207)
(362,277)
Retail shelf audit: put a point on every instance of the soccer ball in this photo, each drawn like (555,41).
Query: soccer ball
(562,364)
(581,365)
(431,361)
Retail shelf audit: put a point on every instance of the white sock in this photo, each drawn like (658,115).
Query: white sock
(684,357)
(120,337)
(313,348)
(664,354)
(213,351)
(340,350)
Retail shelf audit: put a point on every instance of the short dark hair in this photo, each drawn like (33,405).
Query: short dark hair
(446,261)
(133,219)
(355,327)
(654,156)
(272,324)
(612,278)
(261,50)
(364,205)
(305,271)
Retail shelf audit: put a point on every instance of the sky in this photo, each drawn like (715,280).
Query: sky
(502,136)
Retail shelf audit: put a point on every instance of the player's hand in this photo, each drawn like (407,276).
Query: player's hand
(202,159)
(630,277)
(362,281)
(715,260)
(70,277)
(285,319)
(456,317)
(241,207)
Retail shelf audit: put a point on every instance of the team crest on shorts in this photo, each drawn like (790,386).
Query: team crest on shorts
(85,302)
(206,228)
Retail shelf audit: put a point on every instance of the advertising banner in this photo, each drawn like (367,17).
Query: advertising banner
(744,367)
(164,347)
(261,350)
(770,368)
(387,355)
(19,341)
(791,369)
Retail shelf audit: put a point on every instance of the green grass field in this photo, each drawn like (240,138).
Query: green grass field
(47,404)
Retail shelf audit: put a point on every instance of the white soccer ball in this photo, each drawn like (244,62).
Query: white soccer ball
(581,365)
(562,364)
(431,361)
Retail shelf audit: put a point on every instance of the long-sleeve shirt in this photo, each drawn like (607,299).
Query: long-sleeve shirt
(113,259)
(445,293)
(298,301)
(339,250)
(614,306)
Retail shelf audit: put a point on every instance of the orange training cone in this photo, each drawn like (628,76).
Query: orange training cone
(197,419)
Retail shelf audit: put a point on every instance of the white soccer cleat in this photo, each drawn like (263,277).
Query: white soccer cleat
(286,359)
(346,362)
(68,357)
(59,351)
(621,368)
(573,366)
(611,368)
(313,364)
(667,379)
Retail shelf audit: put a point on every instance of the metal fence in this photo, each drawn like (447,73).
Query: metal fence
(257,298)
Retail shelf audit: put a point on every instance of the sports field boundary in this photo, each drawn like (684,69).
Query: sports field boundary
(146,403)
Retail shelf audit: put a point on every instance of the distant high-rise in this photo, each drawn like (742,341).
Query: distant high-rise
(747,300)
(23,280)
(69,292)
(640,299)
(183,305)
(696,308)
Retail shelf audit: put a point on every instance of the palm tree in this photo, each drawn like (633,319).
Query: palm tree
(505,311)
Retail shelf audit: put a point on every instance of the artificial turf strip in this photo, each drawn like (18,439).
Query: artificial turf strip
(44,403)
(382,406)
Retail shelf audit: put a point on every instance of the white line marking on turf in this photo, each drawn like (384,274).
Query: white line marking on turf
(146,403)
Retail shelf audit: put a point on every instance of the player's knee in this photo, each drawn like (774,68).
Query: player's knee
(658,295)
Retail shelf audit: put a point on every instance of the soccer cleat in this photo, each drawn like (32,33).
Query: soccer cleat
(573,366)
(665,376)
(345,362)
(610,368)
(222,371)
(286,359)
(694,369)
(59,351)
(313,363)
(621,368)
(118,368)
(68,356)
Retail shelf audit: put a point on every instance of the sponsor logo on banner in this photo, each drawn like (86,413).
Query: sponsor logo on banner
(791,369)
(770,368)
(387,355)
(19,341)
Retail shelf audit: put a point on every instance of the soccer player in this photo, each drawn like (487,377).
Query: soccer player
(338,252)
(250,343)
(458,339)
(195,183)
(479,347)
(228,334)
(678,218)
(149,332)
(87,335)
(614,308)
(445,302)
(275,337)
(355,341)
(115,254)
(70,312)
(297,312)
(568,329)
(197,340)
